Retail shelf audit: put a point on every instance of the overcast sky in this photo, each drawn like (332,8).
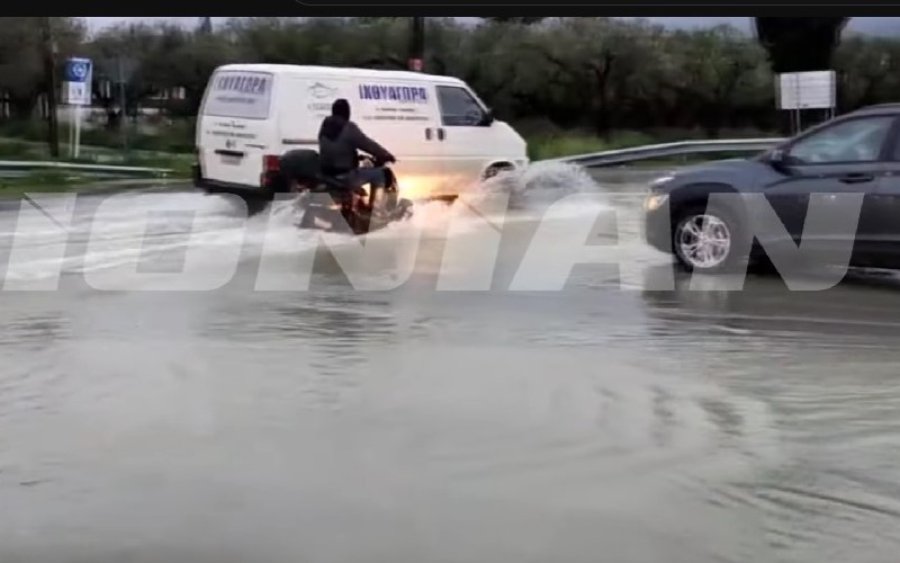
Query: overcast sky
(879,26)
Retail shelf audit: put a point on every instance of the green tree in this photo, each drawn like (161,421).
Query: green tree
(22,70)
(716,66)
(587,58)
(604,74)
(868,69)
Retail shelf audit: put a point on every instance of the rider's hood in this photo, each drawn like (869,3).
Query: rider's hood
(332,127)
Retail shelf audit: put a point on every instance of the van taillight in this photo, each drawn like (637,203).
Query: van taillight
(270,165)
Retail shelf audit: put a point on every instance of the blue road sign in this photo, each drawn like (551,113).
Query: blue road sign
(77,70)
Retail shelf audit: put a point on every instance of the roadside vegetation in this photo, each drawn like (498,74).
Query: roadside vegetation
(571,85)
(43,180)
(52,180)
(16,183)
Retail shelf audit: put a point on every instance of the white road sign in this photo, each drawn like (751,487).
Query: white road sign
(807,90)
(77,82)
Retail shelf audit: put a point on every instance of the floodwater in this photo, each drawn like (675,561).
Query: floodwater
(607,421)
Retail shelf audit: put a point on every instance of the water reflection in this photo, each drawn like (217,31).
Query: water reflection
(855,309)
(823,364)
(339,319)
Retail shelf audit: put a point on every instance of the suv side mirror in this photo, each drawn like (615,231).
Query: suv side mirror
(488,118)
(778,159)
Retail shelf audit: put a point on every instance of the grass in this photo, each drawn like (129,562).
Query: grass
(60,181)
(179,163)
(41,181)
(48,180)
(175,137)
(171,148)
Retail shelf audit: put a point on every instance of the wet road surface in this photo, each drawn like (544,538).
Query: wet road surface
(604,422)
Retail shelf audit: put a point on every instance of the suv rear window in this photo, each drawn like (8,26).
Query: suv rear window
(243,95)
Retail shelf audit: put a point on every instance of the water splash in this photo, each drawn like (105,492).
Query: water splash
(541,182)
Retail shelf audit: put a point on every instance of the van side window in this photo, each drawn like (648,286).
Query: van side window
(459,108)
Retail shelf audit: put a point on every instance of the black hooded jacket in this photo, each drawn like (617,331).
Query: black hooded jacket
(339,139)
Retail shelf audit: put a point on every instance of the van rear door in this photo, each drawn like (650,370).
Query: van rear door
(234,129)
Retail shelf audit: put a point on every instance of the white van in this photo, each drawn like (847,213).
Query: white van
(444,138)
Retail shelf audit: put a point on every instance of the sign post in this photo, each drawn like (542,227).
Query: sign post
(77,93)
(118,70)
(798,91)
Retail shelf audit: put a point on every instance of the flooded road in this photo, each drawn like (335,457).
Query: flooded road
(608,421)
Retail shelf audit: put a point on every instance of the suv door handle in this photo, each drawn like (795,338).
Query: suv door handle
(856,178)
(440,133)
(428,133)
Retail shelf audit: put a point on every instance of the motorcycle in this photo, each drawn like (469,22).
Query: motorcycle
(336,204)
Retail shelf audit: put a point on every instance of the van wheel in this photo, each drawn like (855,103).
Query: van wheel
(707,240)
(496,169)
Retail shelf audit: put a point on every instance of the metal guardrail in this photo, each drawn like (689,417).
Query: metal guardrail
(14,167)
(592,160)
(647,152)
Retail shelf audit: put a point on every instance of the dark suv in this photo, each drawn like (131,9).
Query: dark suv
(715,216)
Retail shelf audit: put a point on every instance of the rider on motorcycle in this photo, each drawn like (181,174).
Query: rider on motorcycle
(339,140)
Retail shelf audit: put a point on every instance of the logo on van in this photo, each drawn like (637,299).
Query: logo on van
(404,94)
(244,84)
(321,91)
